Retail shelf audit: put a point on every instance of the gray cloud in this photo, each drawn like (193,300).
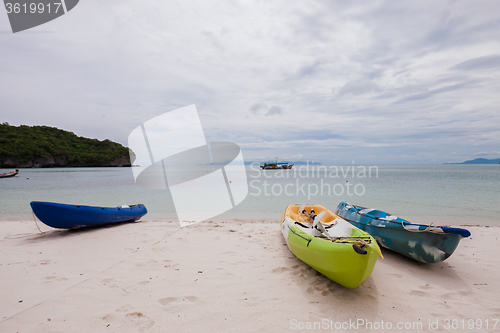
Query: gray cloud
(391,63)
(274,110)
(482,153)
(262,108)
(256,107)
(360,87)
(479,63)
(431,93)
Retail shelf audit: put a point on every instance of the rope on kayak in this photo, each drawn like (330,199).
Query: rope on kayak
(17,236)
(307,239)
(36,223)
(340,239)
(428,229)
(374,247)
(361,241)
(348,239)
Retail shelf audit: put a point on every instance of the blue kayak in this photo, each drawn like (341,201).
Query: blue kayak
(63,216)
(425,243)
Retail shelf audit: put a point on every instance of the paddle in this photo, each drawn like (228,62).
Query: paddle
(318,218)
(319,226)
(301,209)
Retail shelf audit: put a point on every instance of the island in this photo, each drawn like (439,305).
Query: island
(480,161)
(49,147)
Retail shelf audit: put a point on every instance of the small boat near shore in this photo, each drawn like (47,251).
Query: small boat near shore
(329,244)
(64,216)
(276,166)
(9,174)
(421,242)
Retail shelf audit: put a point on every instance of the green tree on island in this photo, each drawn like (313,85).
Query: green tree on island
(50,146)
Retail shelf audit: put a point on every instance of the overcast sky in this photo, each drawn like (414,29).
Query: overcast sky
(331,81)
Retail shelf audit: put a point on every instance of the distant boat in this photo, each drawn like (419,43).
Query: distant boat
(421,242)
(9,174)
(63,216)
(276,166)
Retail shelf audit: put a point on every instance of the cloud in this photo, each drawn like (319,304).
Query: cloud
(487,153)
(412,90)
(261,108)
(409,78)
(479,63)
(256,107)
(482,153)
(431,93)
(274,110)
(360,87)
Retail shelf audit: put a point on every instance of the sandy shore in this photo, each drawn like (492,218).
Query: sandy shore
(232,276)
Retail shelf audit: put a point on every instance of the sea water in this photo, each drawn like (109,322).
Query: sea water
(439,194)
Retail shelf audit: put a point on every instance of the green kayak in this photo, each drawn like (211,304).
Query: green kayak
(329,244)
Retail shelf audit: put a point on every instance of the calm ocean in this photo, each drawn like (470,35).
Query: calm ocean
(442,194)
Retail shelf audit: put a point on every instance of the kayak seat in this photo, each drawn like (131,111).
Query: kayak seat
(294,213)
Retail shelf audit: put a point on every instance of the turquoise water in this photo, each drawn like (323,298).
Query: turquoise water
(442,194)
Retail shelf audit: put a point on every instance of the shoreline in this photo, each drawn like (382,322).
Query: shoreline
(490,224)
(219,276)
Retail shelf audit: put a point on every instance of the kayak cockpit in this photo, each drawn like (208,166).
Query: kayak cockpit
(329,244)
(320,222)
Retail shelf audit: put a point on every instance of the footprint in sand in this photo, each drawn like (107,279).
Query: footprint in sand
(135,314)
(142,321)
(137,287)
(54,278)
(170,264)
(427,286)
(112,281)
(419,293)
(125,308)
(399,276)
(109,318)
(166,300)
(313,289)
(177,300)
(280,269)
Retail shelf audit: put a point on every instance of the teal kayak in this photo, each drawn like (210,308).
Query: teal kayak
(421,242)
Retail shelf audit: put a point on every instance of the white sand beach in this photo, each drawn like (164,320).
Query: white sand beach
(233,276)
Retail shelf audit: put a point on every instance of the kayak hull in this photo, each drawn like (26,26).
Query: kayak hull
(64,216)
(337,260)
(419,242)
